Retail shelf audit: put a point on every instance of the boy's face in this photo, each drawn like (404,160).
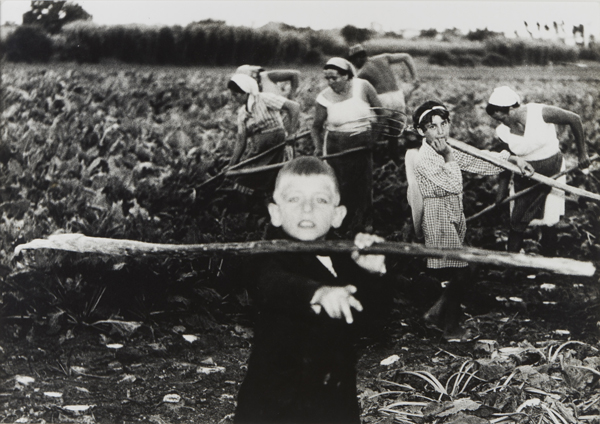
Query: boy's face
(437,129)
(306,206)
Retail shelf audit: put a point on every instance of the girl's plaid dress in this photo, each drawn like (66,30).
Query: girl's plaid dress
(441,185)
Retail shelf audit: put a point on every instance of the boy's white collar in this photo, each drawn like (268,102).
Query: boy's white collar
(326,261)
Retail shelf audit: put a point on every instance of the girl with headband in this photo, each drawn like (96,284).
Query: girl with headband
(438,174)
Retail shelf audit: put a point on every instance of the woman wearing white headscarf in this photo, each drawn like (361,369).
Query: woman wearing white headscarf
(530,133)
(260,128)
(273,81)
(283,82)
(344,117)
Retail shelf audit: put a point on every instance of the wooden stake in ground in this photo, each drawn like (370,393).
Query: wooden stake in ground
(83,244)
(473,151)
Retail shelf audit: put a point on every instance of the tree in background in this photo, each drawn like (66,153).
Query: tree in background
(482,34)
(429,33)
(53,15)
(28,43)
(354,35)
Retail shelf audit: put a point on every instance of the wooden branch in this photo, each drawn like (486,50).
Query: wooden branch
(279,165)
(473,151)
(83,244)
(253,158)
(523,192)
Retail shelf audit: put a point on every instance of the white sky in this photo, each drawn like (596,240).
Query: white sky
(502,16)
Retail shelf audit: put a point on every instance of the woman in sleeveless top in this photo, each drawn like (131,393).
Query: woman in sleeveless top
(344,117)
(530,133)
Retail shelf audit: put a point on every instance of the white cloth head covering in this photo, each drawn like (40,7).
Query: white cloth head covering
(342,63)
(246,83)
(250,70)
(504,97)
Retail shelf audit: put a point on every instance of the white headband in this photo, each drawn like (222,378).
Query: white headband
(431,110)
(340,62)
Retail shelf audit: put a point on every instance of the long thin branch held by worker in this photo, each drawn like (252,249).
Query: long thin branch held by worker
(118,247)
(524,192)
(473,151)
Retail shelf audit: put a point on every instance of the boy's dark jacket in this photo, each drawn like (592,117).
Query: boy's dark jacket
(302,368)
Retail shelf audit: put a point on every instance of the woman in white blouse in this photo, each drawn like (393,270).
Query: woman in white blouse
(530,133)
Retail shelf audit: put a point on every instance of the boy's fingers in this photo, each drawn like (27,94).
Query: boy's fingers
(350,289)
(316,308)
(315,297)
(355,303)
(363,240)
(346,312)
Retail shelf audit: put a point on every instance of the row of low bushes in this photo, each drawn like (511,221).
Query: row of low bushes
(217,44)
(498,51)
(212,44)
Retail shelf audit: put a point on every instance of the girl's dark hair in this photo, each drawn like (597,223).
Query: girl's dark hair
(491,109)
(340,71)
(412,140)
(235,88)
(425,113)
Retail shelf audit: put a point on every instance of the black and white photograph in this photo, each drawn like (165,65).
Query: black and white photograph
(299,212)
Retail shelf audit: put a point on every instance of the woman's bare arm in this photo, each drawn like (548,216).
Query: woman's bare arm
(558,116)
(285,75)
(316,131)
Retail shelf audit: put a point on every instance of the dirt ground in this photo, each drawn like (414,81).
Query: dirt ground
(169,372)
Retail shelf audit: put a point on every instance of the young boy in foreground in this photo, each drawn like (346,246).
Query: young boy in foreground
(302,368)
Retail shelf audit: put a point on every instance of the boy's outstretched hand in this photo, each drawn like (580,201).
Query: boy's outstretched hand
(372,263)
(336,301)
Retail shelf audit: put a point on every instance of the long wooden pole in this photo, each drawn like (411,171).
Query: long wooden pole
(264,168)
(83,244)
(254,158)
(523,192)
(473,151)
(274,166)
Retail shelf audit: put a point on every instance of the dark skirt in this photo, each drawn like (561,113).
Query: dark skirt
(262,181)
(531,205)
(355,175)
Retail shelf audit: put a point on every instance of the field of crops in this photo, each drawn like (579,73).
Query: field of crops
(122,152)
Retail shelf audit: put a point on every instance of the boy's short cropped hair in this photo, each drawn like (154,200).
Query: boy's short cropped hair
(307,165)
(425,113)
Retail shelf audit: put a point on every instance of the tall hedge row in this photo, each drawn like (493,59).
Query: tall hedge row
(196,44)
(216,44)
(497,51)
(531,52)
